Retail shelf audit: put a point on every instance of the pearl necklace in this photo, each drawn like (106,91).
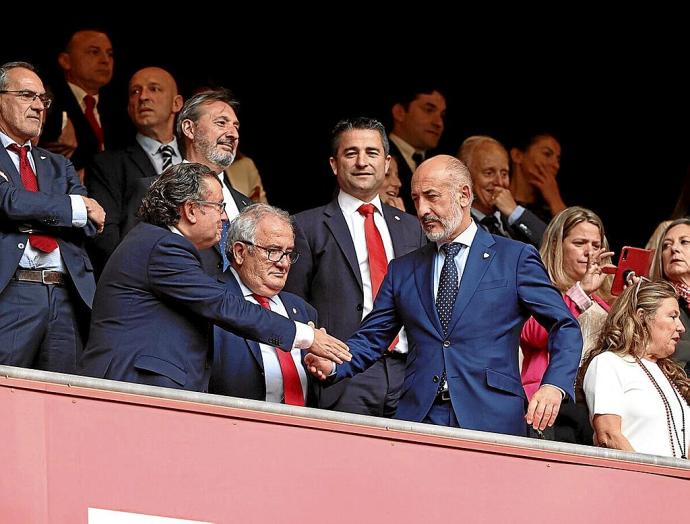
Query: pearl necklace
(670,421)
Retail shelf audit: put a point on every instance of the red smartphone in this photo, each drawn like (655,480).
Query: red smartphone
(631,259)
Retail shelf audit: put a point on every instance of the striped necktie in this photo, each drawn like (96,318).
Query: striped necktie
(167,153)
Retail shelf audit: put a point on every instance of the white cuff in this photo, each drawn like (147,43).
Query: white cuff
(581,299)
(79,215)
(304,336)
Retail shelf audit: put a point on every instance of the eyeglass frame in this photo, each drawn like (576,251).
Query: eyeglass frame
(269,251)
(26,93)
(220,205)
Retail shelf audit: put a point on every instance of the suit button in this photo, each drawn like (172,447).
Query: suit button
(446,343)
(436,379)
(360,307)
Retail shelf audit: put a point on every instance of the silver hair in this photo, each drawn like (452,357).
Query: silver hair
(470,145)
(5,69)
(243,226)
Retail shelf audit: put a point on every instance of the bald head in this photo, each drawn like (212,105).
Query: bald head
(442,193)
(153,103)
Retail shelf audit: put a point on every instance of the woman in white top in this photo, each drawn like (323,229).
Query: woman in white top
(637,396)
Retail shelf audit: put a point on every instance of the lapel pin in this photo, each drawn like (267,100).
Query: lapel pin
(3,175)
(294,310)
(396,217)
(486,255)
(42,157)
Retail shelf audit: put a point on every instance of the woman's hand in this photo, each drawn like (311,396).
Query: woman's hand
(594,276)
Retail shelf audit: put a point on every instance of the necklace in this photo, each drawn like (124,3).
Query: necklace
(670,421)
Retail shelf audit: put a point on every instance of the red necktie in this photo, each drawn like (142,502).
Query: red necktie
(90,115)
(292,387)
(378,262)
(41,242)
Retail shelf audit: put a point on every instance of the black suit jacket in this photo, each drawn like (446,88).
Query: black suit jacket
(111,114)
(529,228)
(405,175)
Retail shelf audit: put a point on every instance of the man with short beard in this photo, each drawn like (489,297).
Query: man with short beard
(209,131)
(462,300)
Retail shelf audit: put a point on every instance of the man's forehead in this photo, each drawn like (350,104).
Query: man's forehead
(21,78)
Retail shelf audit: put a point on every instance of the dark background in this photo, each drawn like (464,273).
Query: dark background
(617,105)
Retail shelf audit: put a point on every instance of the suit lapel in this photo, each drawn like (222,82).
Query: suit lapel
(241,200)
(254,349)
(424,279)
(8,169)
(142,161)
(393,221)
(480,256)
(44,176)
(335,222)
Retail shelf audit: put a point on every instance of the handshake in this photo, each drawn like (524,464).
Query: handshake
(324,353)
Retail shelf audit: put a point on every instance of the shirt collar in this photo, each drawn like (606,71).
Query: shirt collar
(465,238)
(246,292)
(406,149)
(6,141)
(350,204)
(79,93)
(151,146)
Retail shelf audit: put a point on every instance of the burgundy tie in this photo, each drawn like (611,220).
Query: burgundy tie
(41,242)
(378,262)
(90,115)
(292,386)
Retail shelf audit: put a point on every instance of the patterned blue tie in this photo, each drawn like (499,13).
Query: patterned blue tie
(446,294)
(447,285)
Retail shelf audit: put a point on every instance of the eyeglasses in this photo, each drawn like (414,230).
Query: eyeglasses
(30,96)
(219,205)
(276,255)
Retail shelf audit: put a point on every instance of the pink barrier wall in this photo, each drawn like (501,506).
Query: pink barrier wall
(66,449)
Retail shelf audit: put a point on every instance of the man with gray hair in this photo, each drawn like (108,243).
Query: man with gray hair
(261,245)
(46,277)
(494,207)
(209,131)
(154,304)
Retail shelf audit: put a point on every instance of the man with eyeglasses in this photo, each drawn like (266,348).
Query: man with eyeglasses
(261,246)
(46,277)
(155,305)
(345,248)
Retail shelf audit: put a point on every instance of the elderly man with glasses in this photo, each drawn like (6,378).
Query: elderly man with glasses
(261,248)
(46,278)
(154,304)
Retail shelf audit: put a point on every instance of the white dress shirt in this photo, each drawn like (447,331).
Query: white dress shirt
(355,223)
(152,149)
(406,150)
(273,375)
(79,94)
(33,258)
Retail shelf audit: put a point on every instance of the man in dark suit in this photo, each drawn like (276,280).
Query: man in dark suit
(154,304)
(463,299)
(334,272)
(262,250)
(119,179)
(494,207)
(83,120)
(418,112)
(209,131)
(46,278)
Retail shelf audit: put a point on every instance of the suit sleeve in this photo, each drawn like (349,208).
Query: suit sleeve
(530,227)
(545,303)
(176,276)
(300,276)
(105,186)
(379,328)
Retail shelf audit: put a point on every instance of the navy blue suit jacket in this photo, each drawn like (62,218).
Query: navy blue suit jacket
(49,210)
(153,311)
(504,282)
(238,368)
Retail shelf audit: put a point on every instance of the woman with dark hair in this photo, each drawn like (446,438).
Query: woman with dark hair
(535,164)
(672,264)
(636,394)
(574,250)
